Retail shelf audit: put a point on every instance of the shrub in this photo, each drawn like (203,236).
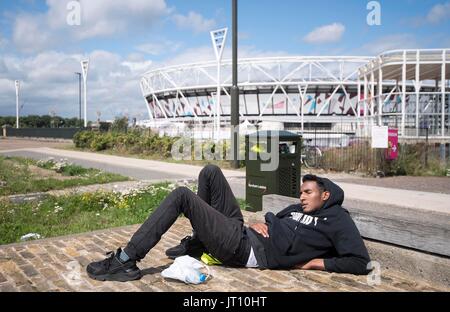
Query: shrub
(99,143)
(134,142)
(83,139)
(411,161)
(104,126)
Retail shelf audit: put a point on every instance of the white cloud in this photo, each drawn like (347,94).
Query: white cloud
(248,51)
(98,18)
(156,48)
(391,42)
(206,53)
(136,57)
(190,55)
(48,83)
(3,68)
(194,21)
(439,12)
(31,34)
(105,17)
(137,66)
(325,34)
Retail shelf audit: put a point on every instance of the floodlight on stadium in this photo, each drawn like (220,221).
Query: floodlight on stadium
(218,38)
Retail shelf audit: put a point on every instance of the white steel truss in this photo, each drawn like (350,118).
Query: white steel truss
(279,75)
(412,91)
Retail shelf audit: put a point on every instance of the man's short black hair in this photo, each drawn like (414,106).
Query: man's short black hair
(318,180)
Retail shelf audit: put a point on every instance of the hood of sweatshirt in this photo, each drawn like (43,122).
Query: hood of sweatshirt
(336,194)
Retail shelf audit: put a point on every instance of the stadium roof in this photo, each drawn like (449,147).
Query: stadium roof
(430,64)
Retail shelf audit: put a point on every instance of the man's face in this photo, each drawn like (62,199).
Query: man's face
(311,198)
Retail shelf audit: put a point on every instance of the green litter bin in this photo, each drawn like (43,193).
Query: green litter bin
(263,174)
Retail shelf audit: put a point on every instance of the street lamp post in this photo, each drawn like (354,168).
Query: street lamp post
(79,96)
(85,67)
(218,38)
(17,83)
(235,88)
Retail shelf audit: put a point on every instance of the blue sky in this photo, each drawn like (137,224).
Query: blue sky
(123,39)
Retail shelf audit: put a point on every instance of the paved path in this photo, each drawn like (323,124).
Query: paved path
(58,264)
(404,198)
(411,183)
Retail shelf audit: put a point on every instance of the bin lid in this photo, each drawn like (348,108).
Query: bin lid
(282,134)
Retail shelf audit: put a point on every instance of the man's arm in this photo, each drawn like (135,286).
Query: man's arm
(352,253)
(314,264)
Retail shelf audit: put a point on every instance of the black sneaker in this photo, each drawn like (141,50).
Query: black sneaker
(190,245)
(113,269)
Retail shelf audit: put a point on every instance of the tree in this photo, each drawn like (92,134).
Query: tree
(120,124)
(7,120)
(45,121)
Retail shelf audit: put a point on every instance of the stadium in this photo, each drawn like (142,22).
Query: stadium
(405,89)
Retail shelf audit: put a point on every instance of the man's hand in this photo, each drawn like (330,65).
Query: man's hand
(261,228)
(314,264)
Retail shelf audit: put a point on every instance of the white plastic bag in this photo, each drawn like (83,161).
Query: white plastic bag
(187,269)
(30,236)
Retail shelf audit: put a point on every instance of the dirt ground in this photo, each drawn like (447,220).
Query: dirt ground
(11,144)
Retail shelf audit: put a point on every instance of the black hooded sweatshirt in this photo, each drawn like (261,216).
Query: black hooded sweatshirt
(328,233)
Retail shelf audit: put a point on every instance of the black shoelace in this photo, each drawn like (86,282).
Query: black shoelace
(107,262)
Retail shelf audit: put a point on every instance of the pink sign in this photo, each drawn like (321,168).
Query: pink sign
(392,150)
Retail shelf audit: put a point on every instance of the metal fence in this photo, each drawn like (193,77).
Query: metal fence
(345,150)
(53,133)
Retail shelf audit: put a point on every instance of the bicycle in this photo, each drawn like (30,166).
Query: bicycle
(310,156)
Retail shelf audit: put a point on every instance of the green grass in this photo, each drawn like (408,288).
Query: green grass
(17,178)
(56,216)
(243,204)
